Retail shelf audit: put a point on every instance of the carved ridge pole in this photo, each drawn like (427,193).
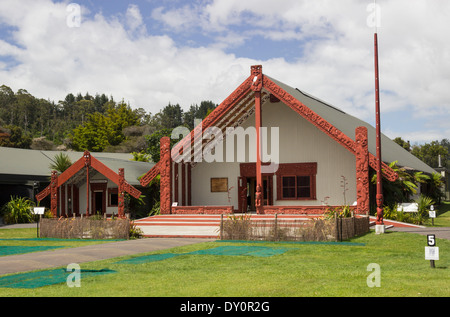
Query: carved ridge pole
(166,176)
(362,171)
(256,72)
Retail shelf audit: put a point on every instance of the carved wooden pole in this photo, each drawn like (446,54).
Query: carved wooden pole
(121,193)
(256,71)
(54,193)
(362,171)
(166,176)
(87,163)
(379,196)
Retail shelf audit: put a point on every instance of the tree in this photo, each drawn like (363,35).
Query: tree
(14,136)
(168,118)
(102,130)
(61,162)
(429,152)
(401,189)
(403,144)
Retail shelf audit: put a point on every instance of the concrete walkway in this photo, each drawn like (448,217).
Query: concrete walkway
(63,257)
(440,232)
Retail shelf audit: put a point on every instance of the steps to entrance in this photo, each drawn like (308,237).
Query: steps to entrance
(192,226)
(196,226)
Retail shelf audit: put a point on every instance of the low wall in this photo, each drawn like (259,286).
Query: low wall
(347,228)
(84,228)
(338,229)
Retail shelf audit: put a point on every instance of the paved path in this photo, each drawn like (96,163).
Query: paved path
(63,257)
(440,232)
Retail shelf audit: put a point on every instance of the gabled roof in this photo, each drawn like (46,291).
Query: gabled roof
(347,123)
(337,124)
(80,167)
(34,164)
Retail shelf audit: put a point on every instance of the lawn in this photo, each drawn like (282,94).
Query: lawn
(443,215)
(28,238)
(304,270)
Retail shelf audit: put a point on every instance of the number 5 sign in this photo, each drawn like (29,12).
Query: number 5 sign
(431,251)
(431,240)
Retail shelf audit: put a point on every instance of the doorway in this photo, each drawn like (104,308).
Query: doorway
(98,194)
(98,203)
(247,188)
(251,192)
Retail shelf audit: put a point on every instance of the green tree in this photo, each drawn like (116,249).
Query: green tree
(403,144)
(102,130)
(154,143)
(404,187)
(169,117)
(15,137)
(61,162)
(429,152)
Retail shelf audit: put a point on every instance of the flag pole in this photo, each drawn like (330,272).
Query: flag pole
(379,224)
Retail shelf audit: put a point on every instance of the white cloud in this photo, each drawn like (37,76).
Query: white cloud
(119,56)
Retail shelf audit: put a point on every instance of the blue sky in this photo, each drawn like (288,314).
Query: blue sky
(153,52)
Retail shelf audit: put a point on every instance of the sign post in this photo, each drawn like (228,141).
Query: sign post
(431,251)
(432,214)
(38,211)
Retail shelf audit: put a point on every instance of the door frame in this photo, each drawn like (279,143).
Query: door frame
(98,187)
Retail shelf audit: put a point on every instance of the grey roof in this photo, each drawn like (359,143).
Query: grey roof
(346,123)
(34,164)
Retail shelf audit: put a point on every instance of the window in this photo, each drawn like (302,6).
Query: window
(295,187)
(296,181)
(113,197)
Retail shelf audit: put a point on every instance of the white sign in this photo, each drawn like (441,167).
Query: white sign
(38,210)
(432,213)
(408,207)
(432,253)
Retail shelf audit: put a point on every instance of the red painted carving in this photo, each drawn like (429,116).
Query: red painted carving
(257,77)
(86,161)
(121,193)
(165,169)
(259,200)
(54,193)
(213,117)
(150,175)
(362,170)
(388,172)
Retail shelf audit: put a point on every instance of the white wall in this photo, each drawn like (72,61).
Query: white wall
(299,141)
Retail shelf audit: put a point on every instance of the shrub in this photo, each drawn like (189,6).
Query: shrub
(18,210)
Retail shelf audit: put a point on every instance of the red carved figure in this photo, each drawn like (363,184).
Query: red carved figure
(165,173)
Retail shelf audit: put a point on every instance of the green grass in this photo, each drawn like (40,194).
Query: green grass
(28,237)
(305,270)
(443,216)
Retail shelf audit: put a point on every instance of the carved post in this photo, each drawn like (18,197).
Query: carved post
(256,71)
(121,193)
(87,163)
(362,171)
(54,193)
(165,174)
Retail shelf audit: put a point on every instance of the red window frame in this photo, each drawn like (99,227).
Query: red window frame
(295,171)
